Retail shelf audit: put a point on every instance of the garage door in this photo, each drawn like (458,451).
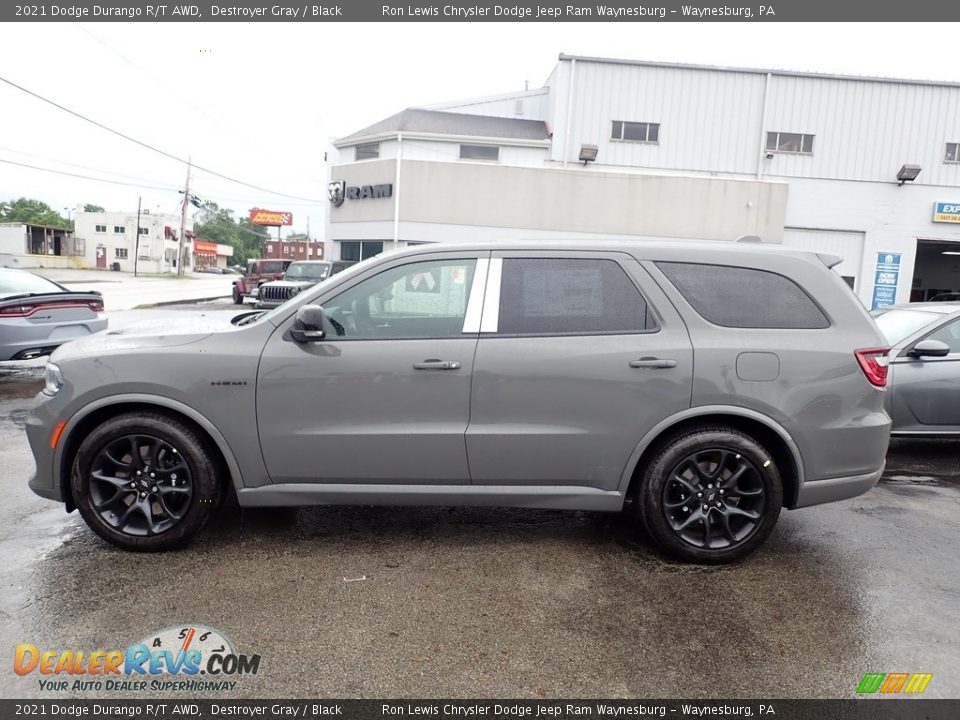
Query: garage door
(843,243)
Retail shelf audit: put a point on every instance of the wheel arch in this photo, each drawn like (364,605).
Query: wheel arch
(98,411)
(764,429)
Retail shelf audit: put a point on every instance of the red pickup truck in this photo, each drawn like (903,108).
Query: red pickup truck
(257,273)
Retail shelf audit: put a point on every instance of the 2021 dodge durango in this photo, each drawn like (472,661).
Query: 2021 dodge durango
(702,387)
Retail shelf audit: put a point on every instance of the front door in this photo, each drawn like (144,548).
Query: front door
(385,397)
(579,356)
(101,257)
(926,390)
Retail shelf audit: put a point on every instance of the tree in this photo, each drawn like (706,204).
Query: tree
(217,224)
(93,208)
(33,212)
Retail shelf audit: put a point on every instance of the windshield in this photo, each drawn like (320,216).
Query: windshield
(899,324)
(307,271)
(15,282)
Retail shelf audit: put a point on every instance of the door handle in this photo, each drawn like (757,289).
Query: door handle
(652,362)
(437,365)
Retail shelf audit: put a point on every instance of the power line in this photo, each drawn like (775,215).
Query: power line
(85,177)
(84,167)
(151,147)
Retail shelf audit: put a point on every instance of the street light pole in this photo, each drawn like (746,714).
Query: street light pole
(183,220)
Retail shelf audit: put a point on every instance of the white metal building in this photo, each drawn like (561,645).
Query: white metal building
(809,160)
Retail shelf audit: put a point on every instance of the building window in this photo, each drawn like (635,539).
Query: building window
(783,142)
(144,231)
(120,253)
(100,228)
(119,230)
(355,250)
(952,155)
(635,131)
(479,152)
(367,151)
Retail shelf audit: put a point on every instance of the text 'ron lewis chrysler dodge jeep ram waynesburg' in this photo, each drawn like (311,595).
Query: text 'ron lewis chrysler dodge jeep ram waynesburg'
(704,386)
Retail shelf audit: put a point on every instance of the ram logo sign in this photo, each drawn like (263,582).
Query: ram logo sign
(338,191)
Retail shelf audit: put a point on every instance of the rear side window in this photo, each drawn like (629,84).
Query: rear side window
(271,267)
(744,297)
(562,296)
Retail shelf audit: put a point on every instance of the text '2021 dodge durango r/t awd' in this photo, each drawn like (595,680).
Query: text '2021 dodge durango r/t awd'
(703,386)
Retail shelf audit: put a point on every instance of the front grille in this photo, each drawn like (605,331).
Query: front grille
(276,293)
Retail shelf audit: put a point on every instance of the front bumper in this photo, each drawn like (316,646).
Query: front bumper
(817,492)
(43,482)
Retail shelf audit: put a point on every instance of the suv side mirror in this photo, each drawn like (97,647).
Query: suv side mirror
(929,348)
(308,324)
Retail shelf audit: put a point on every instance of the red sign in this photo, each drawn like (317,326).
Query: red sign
(204,247)
(270,217)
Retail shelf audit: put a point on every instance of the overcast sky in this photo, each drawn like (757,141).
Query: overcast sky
(259,102)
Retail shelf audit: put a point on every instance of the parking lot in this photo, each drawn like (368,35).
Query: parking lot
(435,602)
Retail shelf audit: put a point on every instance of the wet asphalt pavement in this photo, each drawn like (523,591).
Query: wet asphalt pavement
(503,603)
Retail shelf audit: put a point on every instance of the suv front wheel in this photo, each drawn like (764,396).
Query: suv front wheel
(144,481)
(237,296)
(710,495)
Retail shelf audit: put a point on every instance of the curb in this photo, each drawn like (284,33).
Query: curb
(183,301)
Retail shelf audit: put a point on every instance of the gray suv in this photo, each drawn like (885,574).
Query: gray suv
(699,386)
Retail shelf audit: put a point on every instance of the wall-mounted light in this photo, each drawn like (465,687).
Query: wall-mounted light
(907,173)
(588,153)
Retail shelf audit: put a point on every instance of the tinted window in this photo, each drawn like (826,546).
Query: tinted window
(479,152)
(554,296)
(271,267)
(744,297)
(419,300)
(368,151)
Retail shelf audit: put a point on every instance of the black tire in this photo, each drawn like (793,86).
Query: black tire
(710,495)
(237,297)
(108,479)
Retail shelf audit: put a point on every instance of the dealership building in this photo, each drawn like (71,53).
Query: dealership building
(861,167)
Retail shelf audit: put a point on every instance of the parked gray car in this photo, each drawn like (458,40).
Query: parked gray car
(701,386)
(38,315)
(924,394)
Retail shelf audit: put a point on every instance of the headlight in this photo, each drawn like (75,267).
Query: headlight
(54,380)
(294,291)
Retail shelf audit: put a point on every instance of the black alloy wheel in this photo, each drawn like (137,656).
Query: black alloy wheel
(709,495)
(140,485)
(146,481)
(714,499)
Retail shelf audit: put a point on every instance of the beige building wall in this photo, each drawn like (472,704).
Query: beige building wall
(557,200)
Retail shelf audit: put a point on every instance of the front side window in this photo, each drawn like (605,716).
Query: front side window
(784,142)
(949,334)
(569,296)
(635,131)
(479,152)
(419,300)
(367,151)
(744,297)
(952,154)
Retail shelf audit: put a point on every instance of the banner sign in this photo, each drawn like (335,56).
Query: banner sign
(945,212)
(485,11)
(886,279)
(270,217)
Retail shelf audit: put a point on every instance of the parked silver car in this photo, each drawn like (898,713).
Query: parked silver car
(704,386)
(38,315)
(924,393)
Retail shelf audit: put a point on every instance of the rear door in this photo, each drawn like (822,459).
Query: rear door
(926,390)
(580,355)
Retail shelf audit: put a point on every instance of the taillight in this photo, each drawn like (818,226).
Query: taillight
(873,362)
(96,305)
(16,310)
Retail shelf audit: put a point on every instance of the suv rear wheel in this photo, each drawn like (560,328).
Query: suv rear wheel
(144,481)
(711,495)
(237,297)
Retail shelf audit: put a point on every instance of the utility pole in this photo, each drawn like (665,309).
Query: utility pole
(136,244)
(183,220)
